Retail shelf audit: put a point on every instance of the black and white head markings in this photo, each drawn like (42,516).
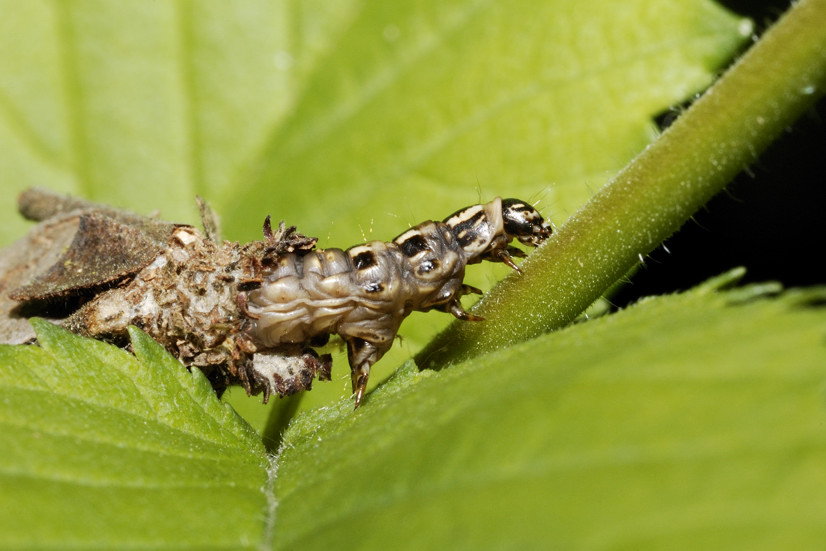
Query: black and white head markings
(364,293)
(249,314)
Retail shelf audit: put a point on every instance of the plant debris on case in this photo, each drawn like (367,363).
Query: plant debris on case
(245,314)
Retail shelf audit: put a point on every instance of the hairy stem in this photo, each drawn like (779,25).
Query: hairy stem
(759,97)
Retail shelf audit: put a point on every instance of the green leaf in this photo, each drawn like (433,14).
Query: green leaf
(350,119)
(686,421)
(102,448)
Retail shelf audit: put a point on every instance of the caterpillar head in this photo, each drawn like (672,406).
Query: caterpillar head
(484,232)
(523,222)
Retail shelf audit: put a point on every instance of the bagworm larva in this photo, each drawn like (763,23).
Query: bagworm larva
(252,314)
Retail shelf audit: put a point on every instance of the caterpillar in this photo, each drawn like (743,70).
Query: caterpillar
(363,294)
(253,314)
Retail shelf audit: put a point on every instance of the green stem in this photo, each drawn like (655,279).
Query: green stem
(759,97)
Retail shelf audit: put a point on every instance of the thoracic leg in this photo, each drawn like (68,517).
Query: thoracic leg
(362,355)
(456,309)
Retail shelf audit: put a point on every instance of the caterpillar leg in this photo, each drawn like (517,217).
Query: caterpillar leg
(360,376)
(455,308)
(506,256)
(362,355)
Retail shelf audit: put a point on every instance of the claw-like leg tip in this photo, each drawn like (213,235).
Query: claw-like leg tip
(360,386)
(459,312)
(504,256)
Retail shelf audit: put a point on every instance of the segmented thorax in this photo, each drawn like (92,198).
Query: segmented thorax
(485,231)
(364,292)
(478,228)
